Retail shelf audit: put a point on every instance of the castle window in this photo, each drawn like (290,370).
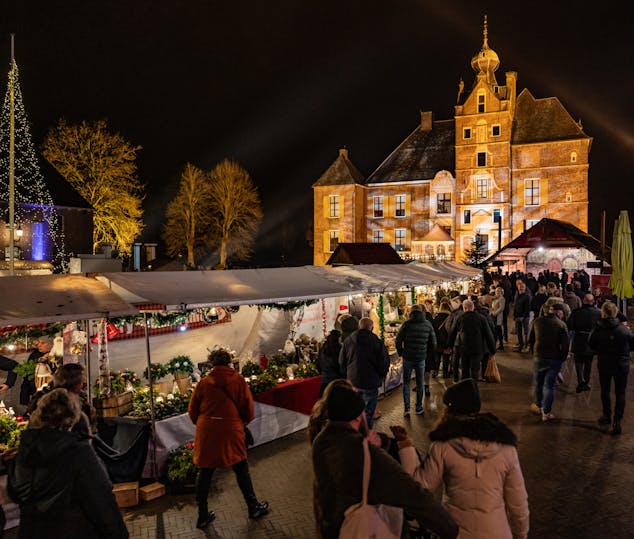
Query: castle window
(573,157)
(529,223)
(377,236)
(333,240)
(399,205)
(443,203)
(466,133)
(467,217)
(568,196)
(378,206)
(481,103)
(399,239)
(482,187)
(333,206)
(531,192)
(495,131)
(482,159)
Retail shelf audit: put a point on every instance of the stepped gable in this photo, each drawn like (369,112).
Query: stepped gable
(542,120)
(420,156)
(341,172)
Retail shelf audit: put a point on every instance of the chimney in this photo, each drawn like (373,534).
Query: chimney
(426,120)
(344,152)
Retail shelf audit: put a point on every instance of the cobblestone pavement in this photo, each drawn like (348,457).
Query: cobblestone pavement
(580,480)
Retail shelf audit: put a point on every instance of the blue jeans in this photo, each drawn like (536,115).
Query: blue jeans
(546,371)
(521,326)
(419,370)
(370,397)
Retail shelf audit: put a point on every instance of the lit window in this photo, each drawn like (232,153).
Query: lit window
(399,239)
(497,216)
(378,206)
(333,240)
(568,196)
(495,131)
(481,103)
(482,187)
(531,192)
(377,236)
(399,205)
(482,159)
(467,217)
(466,133)
(443,203)
(531,223)
(333,206)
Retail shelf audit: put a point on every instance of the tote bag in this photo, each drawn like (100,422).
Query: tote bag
(364,521)
(492,373)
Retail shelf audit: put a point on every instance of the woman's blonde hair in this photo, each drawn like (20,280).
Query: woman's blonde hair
(59,409)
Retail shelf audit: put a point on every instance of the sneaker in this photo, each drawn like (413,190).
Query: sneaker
(604,420)
(517,348)
(616,427)
(406,413)
(420,411)
(586,387)
(535,409)
(203,521)
(547,417)
(500,348)
(258,510)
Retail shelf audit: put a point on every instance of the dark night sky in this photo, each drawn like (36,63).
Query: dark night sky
(280,86)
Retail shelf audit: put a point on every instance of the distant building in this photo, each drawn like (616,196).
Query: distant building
(503,157)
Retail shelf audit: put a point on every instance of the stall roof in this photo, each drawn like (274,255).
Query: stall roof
(192,289)
(41,299)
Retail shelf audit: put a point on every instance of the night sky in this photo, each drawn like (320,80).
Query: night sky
(280,86)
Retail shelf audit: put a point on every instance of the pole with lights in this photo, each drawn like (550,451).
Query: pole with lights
(11,163)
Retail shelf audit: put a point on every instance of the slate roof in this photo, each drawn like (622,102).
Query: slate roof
(542,120)
(341,172)
(420,156)
(364,253)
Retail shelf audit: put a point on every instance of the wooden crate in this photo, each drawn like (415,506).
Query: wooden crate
(126,494)
(152,491)
(114,406)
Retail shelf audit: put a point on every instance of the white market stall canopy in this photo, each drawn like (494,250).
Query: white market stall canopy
(41,299)
(194,289)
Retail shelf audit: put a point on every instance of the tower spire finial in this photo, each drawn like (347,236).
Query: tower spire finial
(486,34)
(12,48)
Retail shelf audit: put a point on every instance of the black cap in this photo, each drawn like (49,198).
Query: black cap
(344,404)
(463,397)
(558,307)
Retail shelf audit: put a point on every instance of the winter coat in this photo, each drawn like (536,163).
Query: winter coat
(440,328)
(572,300)
(8,364)
(476,458)
(612,340)
(497,310)
(581,323)
(472,333)
(62,489)
(548,338)
(337,454)
(415,338)
(328,365)
(522,305)
(220,407)
(537,303)
(364,359)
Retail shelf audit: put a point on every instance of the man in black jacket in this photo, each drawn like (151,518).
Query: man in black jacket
(338,458)
(521,314)
(365,362)
(8,364)
(581,323)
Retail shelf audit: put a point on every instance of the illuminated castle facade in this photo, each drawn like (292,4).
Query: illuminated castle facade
(504,162)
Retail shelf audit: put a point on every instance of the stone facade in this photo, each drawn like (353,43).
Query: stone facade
(500,165)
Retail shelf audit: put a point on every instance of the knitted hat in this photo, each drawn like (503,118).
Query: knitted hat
(344,404)
(463,397)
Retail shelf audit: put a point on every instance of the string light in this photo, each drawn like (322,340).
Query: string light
(33,202)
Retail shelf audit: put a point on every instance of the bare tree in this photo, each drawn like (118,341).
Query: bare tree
(188,215)
(235,211)
(101,166)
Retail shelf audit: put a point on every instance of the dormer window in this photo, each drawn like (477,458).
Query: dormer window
(466,133)
(495,131)
(482,159)
(481,103)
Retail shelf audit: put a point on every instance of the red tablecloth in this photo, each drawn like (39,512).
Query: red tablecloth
(297,395)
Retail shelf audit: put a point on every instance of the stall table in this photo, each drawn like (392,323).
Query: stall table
(298,395)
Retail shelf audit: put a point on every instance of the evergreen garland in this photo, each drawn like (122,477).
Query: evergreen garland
(287,305)
(381,318)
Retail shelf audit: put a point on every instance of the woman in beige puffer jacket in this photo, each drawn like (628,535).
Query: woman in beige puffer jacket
(475,455)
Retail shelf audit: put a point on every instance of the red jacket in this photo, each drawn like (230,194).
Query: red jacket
(220,407)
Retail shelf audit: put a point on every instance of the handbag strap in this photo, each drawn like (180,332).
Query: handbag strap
(367,466)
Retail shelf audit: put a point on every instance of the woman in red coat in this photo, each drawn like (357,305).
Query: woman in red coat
(220,408)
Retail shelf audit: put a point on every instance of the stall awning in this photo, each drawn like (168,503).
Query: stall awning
(194,289)
(41,299)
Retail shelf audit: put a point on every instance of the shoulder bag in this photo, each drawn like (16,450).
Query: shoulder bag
(370,521)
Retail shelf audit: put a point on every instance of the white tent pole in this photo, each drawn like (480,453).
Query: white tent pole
(87,361)
(149,375)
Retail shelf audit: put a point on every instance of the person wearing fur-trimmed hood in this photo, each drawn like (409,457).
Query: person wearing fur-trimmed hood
(475,454)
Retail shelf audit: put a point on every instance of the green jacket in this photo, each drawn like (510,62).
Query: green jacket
(415,337)
(338,467)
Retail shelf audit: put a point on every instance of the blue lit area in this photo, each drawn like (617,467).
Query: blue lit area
(40,241)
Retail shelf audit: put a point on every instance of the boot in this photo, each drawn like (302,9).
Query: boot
(258,509)
(616,427)
(204,519)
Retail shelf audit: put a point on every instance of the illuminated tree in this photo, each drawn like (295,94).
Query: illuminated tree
(235,211)
(32,200)
(477,253)
(188,215)
(101,166)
